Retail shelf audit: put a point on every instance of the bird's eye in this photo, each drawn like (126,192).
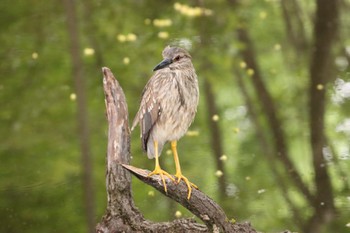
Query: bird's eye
(177,58)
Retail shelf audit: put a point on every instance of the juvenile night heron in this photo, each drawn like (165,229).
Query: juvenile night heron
(168,106)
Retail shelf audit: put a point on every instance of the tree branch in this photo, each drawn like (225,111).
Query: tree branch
(200,204)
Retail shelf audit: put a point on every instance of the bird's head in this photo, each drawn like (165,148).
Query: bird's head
(174,58)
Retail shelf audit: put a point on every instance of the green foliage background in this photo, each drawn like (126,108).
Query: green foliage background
(40,168)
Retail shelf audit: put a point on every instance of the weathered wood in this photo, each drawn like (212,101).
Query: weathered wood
(121,213)
(199,204)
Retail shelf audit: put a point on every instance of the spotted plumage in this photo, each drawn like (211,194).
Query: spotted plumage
(169,101)
(168,106)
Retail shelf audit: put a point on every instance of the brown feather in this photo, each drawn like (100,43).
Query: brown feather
(169,101)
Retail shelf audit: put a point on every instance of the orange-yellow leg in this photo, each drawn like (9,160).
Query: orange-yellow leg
(157,170)
(178,173)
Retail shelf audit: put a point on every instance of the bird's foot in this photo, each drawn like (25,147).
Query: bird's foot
(180,177)
(162,173)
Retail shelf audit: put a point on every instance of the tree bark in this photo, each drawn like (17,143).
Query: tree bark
(325,33)
(215,137)
(82,116)
(200,204)
(121,214)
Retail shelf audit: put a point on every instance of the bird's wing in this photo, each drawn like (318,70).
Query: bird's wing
(148,113)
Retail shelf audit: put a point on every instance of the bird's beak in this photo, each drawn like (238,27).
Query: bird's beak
(163,64)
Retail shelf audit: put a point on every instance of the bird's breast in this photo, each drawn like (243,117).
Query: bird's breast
(179,101)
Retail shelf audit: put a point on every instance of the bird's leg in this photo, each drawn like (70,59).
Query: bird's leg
(157,170)
(178,173)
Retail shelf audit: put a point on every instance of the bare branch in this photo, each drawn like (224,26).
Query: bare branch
(200,204)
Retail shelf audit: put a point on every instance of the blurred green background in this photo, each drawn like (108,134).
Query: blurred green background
(254,113)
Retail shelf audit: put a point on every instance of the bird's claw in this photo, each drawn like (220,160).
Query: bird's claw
(188,183)
(162,173)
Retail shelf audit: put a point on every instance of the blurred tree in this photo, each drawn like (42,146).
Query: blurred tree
(294,25)
(321,73)
(212,111)
(82,114)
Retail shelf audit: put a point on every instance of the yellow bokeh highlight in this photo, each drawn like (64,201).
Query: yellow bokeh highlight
(72,96)
(121,38)
(163,35)
(89,51)
(168,152)
(250,72)
(178,214)
(263,15)
(162,22)
(151,193)
(35,55)
(192,133)
(126,60)
(320,87)
(128,37)
(219,173)
(131,37)
(243,65)
(192,11)
(215,117)
(277,47)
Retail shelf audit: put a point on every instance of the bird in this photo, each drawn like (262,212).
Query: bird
(167,109)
